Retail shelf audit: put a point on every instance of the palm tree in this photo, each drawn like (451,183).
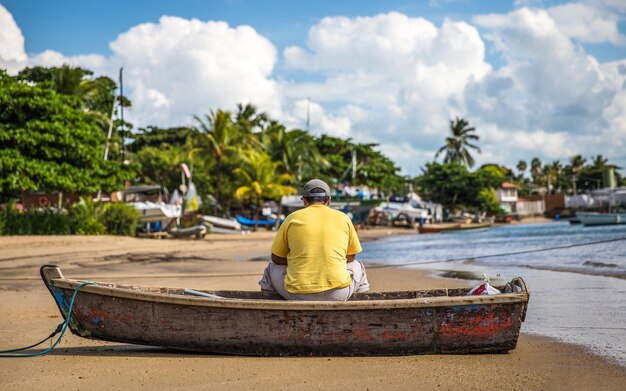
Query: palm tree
(577,164)
(221,138)
(296,149)
(521,167)
(249,119)
(599,162)
(457,145)
(535,171)
(261,179)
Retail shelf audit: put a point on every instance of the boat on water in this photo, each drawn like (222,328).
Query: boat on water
(429,229)
(591,219)
(263,324)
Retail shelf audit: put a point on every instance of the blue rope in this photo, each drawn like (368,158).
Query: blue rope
(62,327)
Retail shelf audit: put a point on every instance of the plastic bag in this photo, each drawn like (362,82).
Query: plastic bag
(483,289)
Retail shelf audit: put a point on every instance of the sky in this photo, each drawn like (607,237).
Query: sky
(535,78)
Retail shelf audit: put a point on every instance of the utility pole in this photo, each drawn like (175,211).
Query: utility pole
(122,114)
(353,165)
(308,115)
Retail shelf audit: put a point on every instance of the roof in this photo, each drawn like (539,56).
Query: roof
(509,185)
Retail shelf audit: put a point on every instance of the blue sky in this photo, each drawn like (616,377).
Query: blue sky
(536,78)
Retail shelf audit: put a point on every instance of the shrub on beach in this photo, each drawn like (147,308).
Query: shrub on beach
(84,218)
(39,221)
(120,219)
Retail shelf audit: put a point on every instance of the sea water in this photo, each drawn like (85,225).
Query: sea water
(578,289)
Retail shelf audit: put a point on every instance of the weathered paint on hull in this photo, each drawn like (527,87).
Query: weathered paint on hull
(396,331)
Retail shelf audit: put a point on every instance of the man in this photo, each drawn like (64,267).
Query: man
(313,254)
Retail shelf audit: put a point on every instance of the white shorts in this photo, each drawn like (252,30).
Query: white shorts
(274,281)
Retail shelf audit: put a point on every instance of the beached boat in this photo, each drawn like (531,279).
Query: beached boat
(222,222)
(429,229)
(198,231)
(588,218)
(221,225)
(255,223)
(262,323)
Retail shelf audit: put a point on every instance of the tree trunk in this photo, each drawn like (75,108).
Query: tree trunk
(256,216)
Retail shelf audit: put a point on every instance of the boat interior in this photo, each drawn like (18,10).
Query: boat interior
(263,295)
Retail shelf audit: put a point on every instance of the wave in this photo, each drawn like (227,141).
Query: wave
(592,268)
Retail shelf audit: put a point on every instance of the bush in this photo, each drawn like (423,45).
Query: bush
(85,218)
(120,219)
(39,221)
(488,201)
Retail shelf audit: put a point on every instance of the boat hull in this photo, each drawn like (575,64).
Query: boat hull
(271,327)
(425,229)
(590,219)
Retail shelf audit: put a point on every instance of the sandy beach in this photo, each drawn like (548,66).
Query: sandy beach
(28,313)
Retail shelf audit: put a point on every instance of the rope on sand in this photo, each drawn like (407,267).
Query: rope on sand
(62,327)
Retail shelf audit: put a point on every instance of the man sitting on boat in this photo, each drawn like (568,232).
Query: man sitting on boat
(313,254)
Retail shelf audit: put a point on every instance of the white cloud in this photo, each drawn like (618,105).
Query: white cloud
(388,78)
(178,68)
(587,23)
(12,55)
(391,75)
(550,99)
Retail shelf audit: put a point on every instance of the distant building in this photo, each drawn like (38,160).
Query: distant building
(507,196)
(511,203)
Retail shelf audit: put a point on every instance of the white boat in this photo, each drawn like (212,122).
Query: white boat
(149,201)
(221,225)
(590,218)
(408,209)
(157,211)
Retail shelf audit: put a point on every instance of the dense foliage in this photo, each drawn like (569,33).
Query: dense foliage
(454,186)
(54,124)
(50,142)
(83,218)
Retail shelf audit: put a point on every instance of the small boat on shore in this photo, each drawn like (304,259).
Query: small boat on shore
(429,229)
(255,223)
(221,225)
(590,219)
(263,324)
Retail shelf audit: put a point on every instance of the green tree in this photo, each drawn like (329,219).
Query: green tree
(521,168)
(457,146)
(535,171)
(296,149)
(50,143)
(454,186)
(221,138)
(262,180)
(373,168)
(574,169)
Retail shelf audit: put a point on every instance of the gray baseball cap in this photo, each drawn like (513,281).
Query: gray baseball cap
(307,191)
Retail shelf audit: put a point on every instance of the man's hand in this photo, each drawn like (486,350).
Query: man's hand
(350,257)
(278,260)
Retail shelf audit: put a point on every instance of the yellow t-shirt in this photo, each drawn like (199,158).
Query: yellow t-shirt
(316,240)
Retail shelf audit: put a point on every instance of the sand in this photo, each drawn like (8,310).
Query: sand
(28,313)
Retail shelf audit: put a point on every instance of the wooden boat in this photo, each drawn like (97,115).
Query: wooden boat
(428,229)
(262,323)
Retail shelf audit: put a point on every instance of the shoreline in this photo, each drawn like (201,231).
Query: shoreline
(27,313)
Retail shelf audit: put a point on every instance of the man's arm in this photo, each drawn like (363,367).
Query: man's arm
(350,257)
(278,260)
